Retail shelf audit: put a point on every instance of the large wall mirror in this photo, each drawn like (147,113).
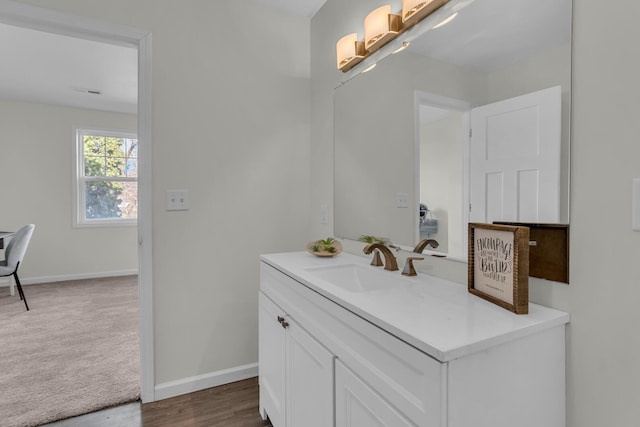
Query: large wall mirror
(406,134)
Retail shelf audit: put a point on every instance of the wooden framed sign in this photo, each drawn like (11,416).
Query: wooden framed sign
(499,265)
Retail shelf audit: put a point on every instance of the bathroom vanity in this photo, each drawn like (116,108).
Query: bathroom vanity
(343,343)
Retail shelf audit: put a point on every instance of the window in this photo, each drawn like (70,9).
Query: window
(106,172)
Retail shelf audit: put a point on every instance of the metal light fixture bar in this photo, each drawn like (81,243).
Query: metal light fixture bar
(414,11)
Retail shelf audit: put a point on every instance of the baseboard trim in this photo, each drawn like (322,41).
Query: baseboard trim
(79,276)
(201,382)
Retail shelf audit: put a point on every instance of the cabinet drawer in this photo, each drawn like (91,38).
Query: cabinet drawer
(409,379)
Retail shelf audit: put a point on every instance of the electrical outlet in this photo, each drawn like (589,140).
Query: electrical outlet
(403,200)
(177,200)
(324,214)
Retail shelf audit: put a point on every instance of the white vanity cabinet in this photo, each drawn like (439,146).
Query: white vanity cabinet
(350,359)
(296,372)
(357,404)
(271,347)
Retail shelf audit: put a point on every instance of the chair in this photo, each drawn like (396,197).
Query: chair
(13,255)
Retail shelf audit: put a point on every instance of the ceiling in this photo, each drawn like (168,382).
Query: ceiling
(306,8)
(55,69)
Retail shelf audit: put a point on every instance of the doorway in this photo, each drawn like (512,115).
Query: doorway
(27,16)
(442,143)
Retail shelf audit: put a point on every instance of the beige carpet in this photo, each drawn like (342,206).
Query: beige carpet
(75,351)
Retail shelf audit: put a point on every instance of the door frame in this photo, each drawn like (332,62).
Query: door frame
(41,19)
(438,101)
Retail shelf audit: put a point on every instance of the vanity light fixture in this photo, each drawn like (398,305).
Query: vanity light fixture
(413,11)
(350,51)
(380,27)
(445,22)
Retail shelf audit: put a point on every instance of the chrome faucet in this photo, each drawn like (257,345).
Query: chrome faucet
(423,244)
(389,259)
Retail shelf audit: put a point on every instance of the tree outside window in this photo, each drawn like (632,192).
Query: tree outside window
(107,178)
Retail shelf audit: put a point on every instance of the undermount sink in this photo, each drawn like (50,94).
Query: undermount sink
(356,278)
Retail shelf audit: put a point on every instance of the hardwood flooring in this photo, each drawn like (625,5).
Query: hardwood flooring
(230,405)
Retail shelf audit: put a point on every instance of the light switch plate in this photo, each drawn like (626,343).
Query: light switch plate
(635,215)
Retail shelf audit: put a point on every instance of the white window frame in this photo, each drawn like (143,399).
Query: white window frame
(79,202)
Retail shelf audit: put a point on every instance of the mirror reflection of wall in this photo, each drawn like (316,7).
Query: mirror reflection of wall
(471,65)
(373,159)
(442,138)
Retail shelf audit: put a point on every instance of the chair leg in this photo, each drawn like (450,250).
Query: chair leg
(15,281)
(20,291)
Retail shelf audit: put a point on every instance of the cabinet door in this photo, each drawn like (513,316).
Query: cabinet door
(271,347)
(358,405)
(309,380)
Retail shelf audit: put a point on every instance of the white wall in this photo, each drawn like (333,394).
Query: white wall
(36,148)
(231,125)
(441,173)
(602,347)
(604,378)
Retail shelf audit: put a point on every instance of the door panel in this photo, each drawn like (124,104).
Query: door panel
(309,380)
(528,191)
(494,189)
(506,126)
(515,159)
(271,347)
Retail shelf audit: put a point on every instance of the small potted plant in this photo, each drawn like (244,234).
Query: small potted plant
(325,247)
(373,239)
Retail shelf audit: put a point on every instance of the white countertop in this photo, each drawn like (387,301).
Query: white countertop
(439,317)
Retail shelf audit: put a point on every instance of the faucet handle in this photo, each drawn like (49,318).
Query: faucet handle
(376,261)
(408,269)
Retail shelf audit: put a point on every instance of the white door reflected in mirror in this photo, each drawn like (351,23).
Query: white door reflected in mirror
(514,153)
(515,159)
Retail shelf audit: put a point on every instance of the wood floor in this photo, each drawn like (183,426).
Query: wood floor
(230,405)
